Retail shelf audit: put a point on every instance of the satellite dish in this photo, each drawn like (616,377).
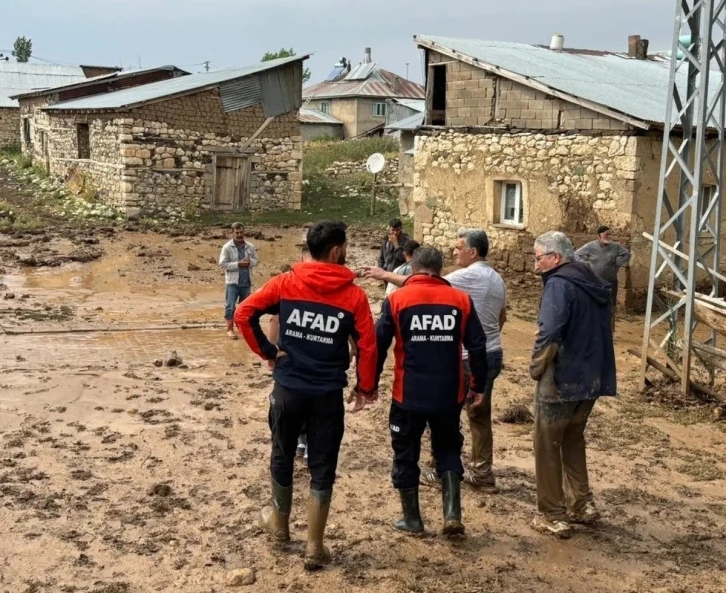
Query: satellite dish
(375,163)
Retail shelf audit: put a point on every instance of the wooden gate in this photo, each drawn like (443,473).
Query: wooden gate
(231,182)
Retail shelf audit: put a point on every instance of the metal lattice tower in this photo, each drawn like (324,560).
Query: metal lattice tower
(687,231)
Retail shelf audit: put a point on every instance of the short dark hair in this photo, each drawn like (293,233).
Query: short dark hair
(304,249)
(410,247)
(325,235)
(602,229)
(427,259)
(237,225)
(476,239)
(395,223)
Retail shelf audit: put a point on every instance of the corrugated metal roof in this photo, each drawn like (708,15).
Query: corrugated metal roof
(240,93)
(166,88)
(380,83)
(88,81)
(637,88)
(409,123)
(313,116)
(16,78)
(415,104)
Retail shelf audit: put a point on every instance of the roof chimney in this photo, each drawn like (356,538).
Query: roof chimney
(367,58)
(557,43)
(637,47)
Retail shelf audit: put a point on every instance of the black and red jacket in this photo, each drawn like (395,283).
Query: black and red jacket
(319,308)
(431,321)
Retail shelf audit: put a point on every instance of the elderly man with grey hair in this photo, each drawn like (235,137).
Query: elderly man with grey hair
(486,289)
(573,362)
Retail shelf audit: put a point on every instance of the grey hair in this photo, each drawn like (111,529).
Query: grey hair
(475,239)
(237,225)
(427,259)
(556,242)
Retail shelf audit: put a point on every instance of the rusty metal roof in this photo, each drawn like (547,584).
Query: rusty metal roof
(133,97)
(18,78)
(379,83)
(313,116)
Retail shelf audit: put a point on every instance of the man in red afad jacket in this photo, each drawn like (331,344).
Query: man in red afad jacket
(431,321)
(319,308)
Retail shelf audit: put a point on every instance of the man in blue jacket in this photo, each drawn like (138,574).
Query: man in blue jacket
(573,363)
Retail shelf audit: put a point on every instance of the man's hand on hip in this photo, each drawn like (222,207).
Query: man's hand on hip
(474,400)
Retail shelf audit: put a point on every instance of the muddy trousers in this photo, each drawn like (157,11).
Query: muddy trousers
(560,461)
(408,427)
(480,422)
(323,416)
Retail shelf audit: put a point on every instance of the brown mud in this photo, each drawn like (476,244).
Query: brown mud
(120,476)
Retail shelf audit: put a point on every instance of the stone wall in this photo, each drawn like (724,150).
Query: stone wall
(159,158)
(570,182)
(474,97)
(388,175)
(9,126)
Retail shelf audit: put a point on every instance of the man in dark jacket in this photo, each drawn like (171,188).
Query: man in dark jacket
(391,255)
(573,363)
(319,309)
(431,321)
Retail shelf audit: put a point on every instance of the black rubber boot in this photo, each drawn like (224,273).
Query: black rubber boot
(411,521)
(317,554)
(275,519)
(451,496)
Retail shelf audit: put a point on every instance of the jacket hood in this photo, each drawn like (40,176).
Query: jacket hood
(582,276)
(323,278)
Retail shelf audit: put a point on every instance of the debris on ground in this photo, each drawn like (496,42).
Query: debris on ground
(174,360)
(241,577)
(516,414)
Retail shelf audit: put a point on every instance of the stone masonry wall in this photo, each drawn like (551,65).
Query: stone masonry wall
(9,126)
(388,175)
(475,97)
(570,182)
(169,168)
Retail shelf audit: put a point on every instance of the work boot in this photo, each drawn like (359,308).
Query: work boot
(560,529)
(316,554)
(451,496)
(275,519)
(411,521)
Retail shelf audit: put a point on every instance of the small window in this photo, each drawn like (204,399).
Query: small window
(325,107)
(26,132)
(84,141)
(512,203)
(438,95)
(379,109)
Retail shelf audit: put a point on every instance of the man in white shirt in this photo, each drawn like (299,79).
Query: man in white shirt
(486,289)
(237,259)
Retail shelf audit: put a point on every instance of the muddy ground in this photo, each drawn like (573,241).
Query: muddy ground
(118,476)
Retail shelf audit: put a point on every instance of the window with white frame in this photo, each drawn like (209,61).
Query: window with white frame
(512,203)
(379,109)
(325,107)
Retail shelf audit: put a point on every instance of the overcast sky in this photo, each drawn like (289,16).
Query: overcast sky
(237,32)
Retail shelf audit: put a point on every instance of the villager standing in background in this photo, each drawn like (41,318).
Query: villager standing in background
(237,259)
(606,257)
(391,255)
(573,363)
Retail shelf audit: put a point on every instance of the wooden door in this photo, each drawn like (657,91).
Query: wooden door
(231,182)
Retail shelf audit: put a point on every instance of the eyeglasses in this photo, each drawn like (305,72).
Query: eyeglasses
(538,258)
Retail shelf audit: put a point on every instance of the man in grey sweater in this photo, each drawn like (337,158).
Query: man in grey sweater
(605,257)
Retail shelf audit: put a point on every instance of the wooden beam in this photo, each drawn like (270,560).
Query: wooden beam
(703,389)
(254,136)
(534,84)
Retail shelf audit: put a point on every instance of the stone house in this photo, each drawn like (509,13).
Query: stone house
(406,129)
(16,78)
(358,96)
(226,140)
(316,125)
(34,132)
(521,139)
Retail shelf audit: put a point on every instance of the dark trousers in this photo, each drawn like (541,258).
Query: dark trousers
(323,416)
(559,457)
(480,421)
(407,428)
